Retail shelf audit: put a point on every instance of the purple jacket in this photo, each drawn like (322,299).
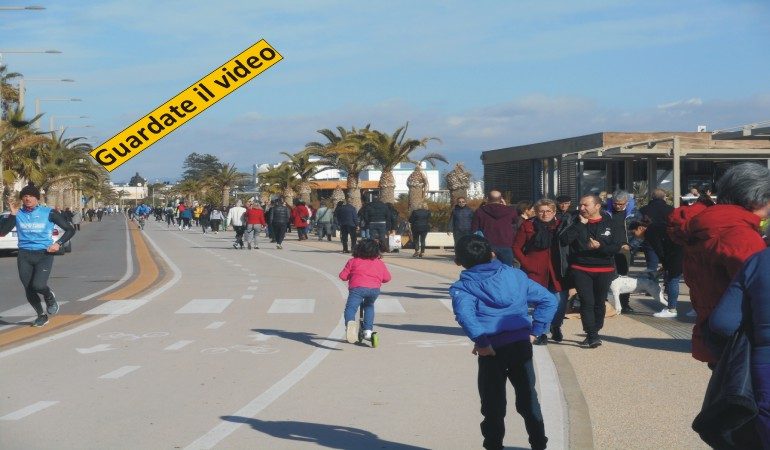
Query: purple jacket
(496,221)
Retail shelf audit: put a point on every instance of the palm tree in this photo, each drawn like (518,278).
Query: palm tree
(189,189)
(345,153)
(226,178)
(20,147)
(65,164)
(458,181)
(390,150)
(281,180)
(305,170)
(8,93)
(417,182)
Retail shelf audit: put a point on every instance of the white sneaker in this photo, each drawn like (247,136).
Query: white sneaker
(351,333)
(692,313)
(368,334)
(666,313)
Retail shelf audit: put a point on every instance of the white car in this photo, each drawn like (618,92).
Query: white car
(10,242)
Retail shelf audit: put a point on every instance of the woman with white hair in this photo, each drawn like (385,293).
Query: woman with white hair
(720,239)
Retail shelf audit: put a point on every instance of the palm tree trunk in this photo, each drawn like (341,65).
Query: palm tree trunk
(304,191)
(226,196)
(354,193)
(387,187)
(338,195)
(288,196)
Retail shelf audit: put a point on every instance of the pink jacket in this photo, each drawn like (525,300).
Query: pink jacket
(367,273)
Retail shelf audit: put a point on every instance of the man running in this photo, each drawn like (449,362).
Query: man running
(34,225)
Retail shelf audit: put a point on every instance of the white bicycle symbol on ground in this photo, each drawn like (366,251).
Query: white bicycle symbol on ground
(253,349)
(121,336)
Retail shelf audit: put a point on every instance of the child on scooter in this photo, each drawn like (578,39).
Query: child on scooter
(365,272)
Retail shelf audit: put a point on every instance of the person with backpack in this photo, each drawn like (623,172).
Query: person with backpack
(324,217)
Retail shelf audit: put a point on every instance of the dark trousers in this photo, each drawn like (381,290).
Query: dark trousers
(760,376)
(215,224)
(592,289)
(457,234)
(511,362)
(34,270)
(419,240)
(379,232)
(279,232)
(622,261)
(239,230)
(345,232)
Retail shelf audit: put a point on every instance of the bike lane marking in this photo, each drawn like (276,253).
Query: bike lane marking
(119,373)
(178,345)
(94,322)
(149,272)
(28,410)
(262,401)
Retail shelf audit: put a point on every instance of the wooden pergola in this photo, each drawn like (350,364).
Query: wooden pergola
(722,145)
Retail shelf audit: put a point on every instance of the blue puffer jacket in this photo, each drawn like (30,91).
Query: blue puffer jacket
(752,285)
(490,302)
(460,219)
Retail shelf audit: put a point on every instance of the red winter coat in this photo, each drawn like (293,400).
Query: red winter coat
(720,238)
(297,214)
(538,264)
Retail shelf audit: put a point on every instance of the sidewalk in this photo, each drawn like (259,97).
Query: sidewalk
(641,389)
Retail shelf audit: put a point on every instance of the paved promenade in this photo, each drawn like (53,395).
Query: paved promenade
(640,390)
(198,345)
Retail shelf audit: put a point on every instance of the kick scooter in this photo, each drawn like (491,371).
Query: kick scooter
(375,337)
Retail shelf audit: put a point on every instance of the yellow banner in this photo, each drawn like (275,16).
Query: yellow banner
(187,104)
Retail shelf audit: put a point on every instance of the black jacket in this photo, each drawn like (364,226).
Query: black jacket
(346,215)
(377,211)
(577,235)
(670,253)
(460,219)
(726,420)
(657,210)
(420,220)
(280,214)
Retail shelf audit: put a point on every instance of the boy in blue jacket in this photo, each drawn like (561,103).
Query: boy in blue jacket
(490,302)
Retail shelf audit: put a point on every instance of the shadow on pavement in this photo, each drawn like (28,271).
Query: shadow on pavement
(326,436)
(670,344)
(299,336)
(412,295)
(432,289)
(436,329)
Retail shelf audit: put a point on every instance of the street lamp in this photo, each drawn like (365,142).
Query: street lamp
(22,88)
(50,121)
(21,8)
(38,100)
(2,109)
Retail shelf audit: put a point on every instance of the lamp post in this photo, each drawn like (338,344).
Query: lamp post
(2,109)
(23,89)
(38,100)
(51,122)
(22,8)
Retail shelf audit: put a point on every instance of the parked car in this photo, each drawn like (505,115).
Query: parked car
(10,242)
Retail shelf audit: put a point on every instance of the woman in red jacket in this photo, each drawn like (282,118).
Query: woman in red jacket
(537,252)
(718,241)
(301,218)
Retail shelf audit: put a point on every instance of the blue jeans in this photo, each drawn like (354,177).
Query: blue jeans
(504,254)
(357,296)
(561,307)
(651,257)
(672,286)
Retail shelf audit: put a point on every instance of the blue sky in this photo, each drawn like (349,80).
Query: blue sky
(478,75)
